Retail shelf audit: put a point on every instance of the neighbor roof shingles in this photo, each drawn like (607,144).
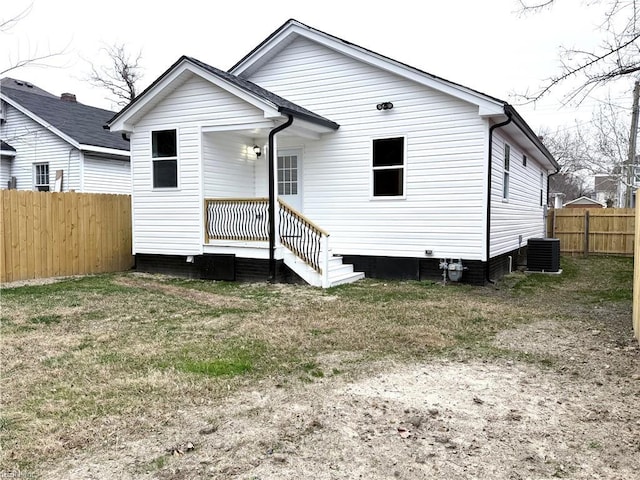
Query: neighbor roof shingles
(82,123)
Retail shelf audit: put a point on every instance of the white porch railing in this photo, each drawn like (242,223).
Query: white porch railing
(244,219)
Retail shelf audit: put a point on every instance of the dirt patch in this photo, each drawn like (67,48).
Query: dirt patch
(442,419)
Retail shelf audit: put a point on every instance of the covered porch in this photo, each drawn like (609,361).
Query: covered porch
(253,200)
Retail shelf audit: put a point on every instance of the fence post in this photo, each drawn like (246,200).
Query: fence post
(586,233)
(553,224)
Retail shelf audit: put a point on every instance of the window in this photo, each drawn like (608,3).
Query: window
(388,167)
(505,175)
(524,160)
(165,158)
(541,189)
(288,175)
(41,173)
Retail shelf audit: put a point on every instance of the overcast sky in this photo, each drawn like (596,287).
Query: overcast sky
(484,45)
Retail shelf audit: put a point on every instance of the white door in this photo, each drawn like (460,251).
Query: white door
(289,167)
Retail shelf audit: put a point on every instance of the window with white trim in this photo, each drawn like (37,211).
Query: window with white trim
(505,174)
(164,153)
(41,177)
(287,174)
(388,167)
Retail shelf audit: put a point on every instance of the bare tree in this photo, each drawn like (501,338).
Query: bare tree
(596,147)
(617,56)
(121,74)
(34,57)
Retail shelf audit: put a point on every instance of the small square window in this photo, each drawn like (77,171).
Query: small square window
(388,167)
(164,152)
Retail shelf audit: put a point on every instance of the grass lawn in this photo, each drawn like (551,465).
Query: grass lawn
(87,361)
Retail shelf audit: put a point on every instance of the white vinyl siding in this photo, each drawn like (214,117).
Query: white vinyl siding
(5,172)
(35,144)
(171,221)
(444,209)
(227,166)
(522,215)
(106,175)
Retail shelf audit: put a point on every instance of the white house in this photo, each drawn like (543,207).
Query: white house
(312,152)
(56,143)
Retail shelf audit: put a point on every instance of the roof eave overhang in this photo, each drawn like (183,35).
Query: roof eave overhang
(105,151)
(322,122)
(531,136)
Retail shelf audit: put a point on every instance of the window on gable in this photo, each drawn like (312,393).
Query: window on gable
(164,153)
(388,167)
(505,175)
(41,177)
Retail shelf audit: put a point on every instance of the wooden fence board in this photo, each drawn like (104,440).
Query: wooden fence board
(611,230)
(46,234)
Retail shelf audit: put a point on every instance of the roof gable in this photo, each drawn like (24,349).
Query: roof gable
(271,104)
(287,33)
(585,201)
(78,124)
(489,107)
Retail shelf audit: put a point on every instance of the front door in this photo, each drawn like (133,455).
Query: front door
(290,178)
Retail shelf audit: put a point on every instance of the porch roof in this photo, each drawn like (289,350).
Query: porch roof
(282,105)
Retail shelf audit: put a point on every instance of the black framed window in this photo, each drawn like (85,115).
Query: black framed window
(164,153)
(388,167)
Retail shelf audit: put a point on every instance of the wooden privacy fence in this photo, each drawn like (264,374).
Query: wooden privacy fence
(636,278)
(56,234)
(593,230)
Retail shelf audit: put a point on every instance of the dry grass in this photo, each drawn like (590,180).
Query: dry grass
(88,360)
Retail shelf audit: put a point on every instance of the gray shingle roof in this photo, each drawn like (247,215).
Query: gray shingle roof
(81,122)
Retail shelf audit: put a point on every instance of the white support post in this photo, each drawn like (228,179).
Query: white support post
(324,252)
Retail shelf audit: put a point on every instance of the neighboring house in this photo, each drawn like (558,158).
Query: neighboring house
(45,137)
(346,151)
(609,190)
(584,202)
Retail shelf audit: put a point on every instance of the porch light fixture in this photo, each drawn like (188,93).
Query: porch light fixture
(384,106)
(257,150)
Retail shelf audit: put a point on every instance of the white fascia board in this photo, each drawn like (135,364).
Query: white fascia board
(105,150)
(224,127)
(487,106)
(39,120)
(128,118)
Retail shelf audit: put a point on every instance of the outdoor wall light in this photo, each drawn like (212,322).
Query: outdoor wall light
(384,106)
(257,150)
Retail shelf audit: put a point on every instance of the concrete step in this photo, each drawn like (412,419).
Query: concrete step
(345,278)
